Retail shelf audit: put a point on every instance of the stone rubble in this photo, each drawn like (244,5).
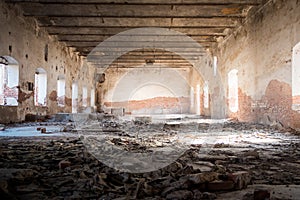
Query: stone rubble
(2,127)
(62,168)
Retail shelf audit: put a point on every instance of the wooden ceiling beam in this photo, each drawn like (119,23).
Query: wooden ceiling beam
(143,2)
(100,31)
(134,11)
(138,22)
(134,38)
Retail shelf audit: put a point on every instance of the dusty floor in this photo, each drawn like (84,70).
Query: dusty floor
(224,160)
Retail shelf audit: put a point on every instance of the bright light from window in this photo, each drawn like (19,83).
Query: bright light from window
(215,65)
(92,97)
(74,97)
(206,95)
(84,96)
(9,81)
(296,77)
(40,89)
(61,91)
(198,99)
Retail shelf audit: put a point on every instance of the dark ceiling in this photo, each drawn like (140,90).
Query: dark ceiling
(83,24)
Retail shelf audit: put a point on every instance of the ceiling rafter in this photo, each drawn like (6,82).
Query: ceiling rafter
(144,2)
(83,24)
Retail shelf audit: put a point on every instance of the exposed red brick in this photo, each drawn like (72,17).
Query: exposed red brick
(68,101)
(23,96)
(278,98)
(181,104)
(220,185)
(43,130)
(261,194)
(296,99)
(53,96)
(245,111)
(241,179)
(64,164)
(295,119)
(277,103)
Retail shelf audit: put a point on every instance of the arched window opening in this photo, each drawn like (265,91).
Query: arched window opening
(92,97)
(296,78)
(2,83)
(215,65)
(9,81)
(40,89)
(192,99)
(84,96)
(61,90)
(233,90)
(206,95)
(74,97)
(198,100)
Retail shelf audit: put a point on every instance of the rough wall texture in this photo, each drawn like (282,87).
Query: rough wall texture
(147,90)
(33,48)
(121,85)
(157,105)
(261,51)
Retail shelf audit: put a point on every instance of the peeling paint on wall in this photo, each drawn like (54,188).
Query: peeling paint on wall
(158,105)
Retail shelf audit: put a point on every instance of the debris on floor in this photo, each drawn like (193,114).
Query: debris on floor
(242,158)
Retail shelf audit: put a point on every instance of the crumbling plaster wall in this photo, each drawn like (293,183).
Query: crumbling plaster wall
(146,89)
(261,51)
(201,71)
(28,43)
(216,90)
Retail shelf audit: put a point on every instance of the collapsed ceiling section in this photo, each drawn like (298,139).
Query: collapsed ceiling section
(83,24)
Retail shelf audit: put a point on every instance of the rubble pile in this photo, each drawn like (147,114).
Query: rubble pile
(62,168)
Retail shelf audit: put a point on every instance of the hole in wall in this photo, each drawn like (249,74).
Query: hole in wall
(40,89)
(30,86)
(46,53)
(61,90)
(9,81)
(10,49)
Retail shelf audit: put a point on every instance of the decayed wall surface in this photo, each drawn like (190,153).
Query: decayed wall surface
(121,84)
(33,48)
(261,51)
(147,90)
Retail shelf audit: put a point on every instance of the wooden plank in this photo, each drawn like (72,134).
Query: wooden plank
(133,38)
(100,31)
(143,2)
(139,22)
(134,11)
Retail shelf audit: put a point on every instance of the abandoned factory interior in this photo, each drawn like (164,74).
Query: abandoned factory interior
(150,99)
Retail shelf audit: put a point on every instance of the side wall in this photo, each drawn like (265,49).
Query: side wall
(33,48)
(261,51)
